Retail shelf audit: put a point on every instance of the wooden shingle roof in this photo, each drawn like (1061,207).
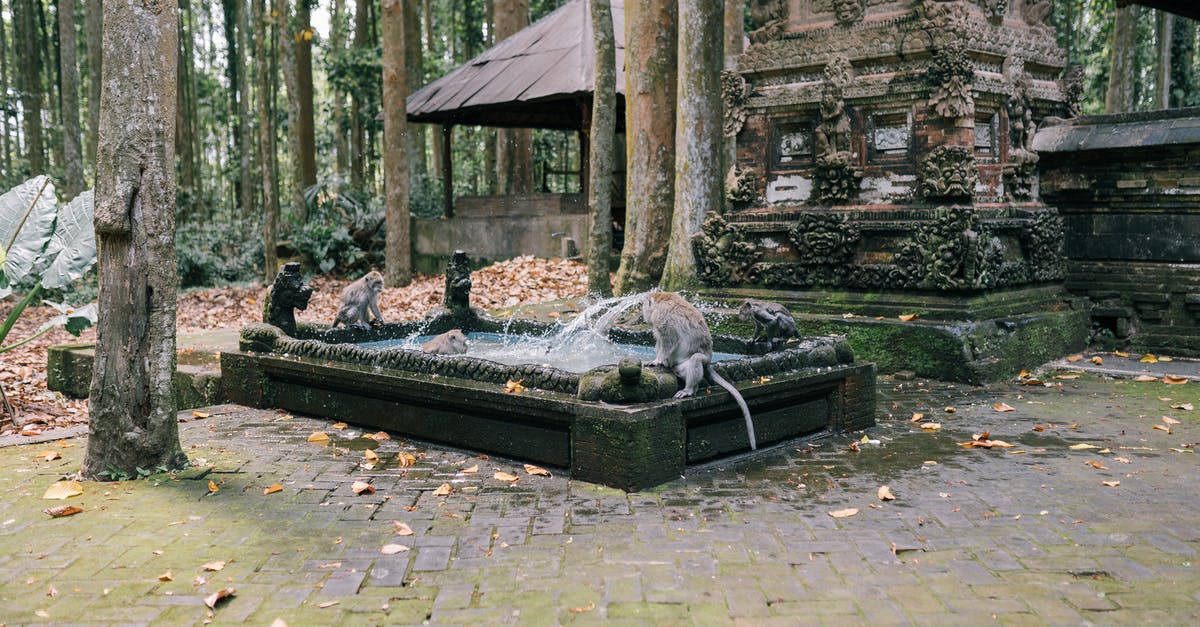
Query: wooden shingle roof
(536,78)
(1186,8)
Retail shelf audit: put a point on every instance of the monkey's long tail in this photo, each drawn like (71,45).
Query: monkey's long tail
(737,396)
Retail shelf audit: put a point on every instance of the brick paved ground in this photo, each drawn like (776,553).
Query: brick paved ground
(1027,535)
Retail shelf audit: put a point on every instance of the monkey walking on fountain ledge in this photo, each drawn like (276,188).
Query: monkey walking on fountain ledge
(360,301)
(683,343)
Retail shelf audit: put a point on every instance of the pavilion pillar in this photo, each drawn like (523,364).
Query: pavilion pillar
(447,172)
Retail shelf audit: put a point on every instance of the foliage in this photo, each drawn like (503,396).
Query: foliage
(425,198)
(48,244)
(344,230)
(218,252)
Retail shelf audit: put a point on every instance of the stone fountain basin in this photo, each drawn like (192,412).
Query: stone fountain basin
(811,389)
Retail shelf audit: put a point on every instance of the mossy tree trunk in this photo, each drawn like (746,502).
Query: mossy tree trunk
(601,134)
(1122,54)
(650,54)
(397,250)
(133,422)
(698,135)
(266,142)
(286,34)
(73,182)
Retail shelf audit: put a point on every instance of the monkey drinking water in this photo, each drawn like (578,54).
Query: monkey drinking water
(772,321)
(452,342)
(683,343)
(360,301)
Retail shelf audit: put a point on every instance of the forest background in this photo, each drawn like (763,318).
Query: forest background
(304,79)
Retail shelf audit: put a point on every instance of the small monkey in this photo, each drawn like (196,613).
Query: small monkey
(360,301)
(772,321)
(452,342)
(683,343)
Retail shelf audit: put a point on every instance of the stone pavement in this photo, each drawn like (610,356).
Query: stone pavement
(1029,534)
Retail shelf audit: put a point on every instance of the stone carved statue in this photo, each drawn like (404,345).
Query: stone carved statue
(833,131)
(288,292)
(458,284)
(1073,90)
(949,172)
(1034,12)
(769,18)
(740,185)
(993,9)
(1021,171)
(848,12)
(734,92)
(950,76)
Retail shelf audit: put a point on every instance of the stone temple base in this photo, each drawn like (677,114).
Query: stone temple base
(970,339)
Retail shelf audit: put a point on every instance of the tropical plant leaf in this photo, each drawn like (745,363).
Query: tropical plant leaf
(74,319)
(72,248)
(26,222)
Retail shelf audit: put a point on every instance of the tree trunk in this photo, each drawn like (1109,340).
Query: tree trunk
(734,33)
(6,172)
(337,36)
(1163,30)
(266,142)
(29,82)
(229,14)
(435,131)
(48,38)
(514,146)
(699,135)
(601,140)
(94,22)
(73,182)
(1186,83)
(287,63)
(133,422)
(185,129)
(246,156)
(304,76)
(397,251)
(417,164)
(358,145)
(650,53)
(1122,53)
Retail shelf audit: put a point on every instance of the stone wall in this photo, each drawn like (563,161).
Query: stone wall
(1128,188)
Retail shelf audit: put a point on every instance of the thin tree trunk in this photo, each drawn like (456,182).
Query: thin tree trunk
(698,135)
(650,53)
(1164,30)
(514,147)
(133,422)
(1183,65)
(397,250)
(287,63)
(337,36)
(229,14)
(418,165)
(266,142)
(94,22)
(1122,53)
(5,145)
(304,77)
(435,131)
(246,156)
(73,182)
(48,38)
(29,82)
(185,136)
(601,139)
(357,132)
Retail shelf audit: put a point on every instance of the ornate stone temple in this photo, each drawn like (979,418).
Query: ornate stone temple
(885,166)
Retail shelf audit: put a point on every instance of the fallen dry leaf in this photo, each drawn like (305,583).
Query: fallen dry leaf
(1183,406)
(986,444)
(60,490)
(442,490)
(470,471)
(844,513)
(916,417)
(201,414)
(885,493)
(1148,359)
(931,426)
(1082,447)
(949,410)
(1143,378)
(1095,464)
(1121,459)
(338,425)
(1163,428)
(392,549)
(62,510)
(327,604)
(212,487)
(1169,420)
(907,317)
(582,608)
(218,596)
(1098,360)
(504,476)
(404,460)
(402,528)
(362,487)
(370,455)
(167,576)
(318,436)
(1066,377)
(1174,380)
(48,456)
(537,470)
(1032,381)
(380,436)
(1111,484)
(513,387)
(1074,358)
(275,487)
(1003,407)
(213,566)
(981,436)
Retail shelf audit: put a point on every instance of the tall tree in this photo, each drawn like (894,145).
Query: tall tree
(73,182)
(266,140)
(186,118)
(435,130)
(1122,53)
(29,81)
(286,34)
(397,249)
(358,147)
(233,71)
(5,147)
(133,422)
(514,146)
(1185,83)
(246,155)
(413,59)
(1164,27)
(650,53)
(93,20)
(698,135)
(337,102)
(304,84)
(602,138)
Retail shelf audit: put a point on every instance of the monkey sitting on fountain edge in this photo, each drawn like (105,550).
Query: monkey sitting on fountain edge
(683,343)
(772,321)
(360,300)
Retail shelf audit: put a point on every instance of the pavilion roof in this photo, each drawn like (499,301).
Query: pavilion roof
(536,78)
(1186,8)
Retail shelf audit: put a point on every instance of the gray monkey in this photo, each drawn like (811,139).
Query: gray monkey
(452,342)
(772,321)
(683,343)
(360,300)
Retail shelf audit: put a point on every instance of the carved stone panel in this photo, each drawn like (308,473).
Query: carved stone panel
(949,172)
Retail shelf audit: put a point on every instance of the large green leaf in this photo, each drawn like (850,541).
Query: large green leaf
(72,248)
(74,319)
(26,221)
